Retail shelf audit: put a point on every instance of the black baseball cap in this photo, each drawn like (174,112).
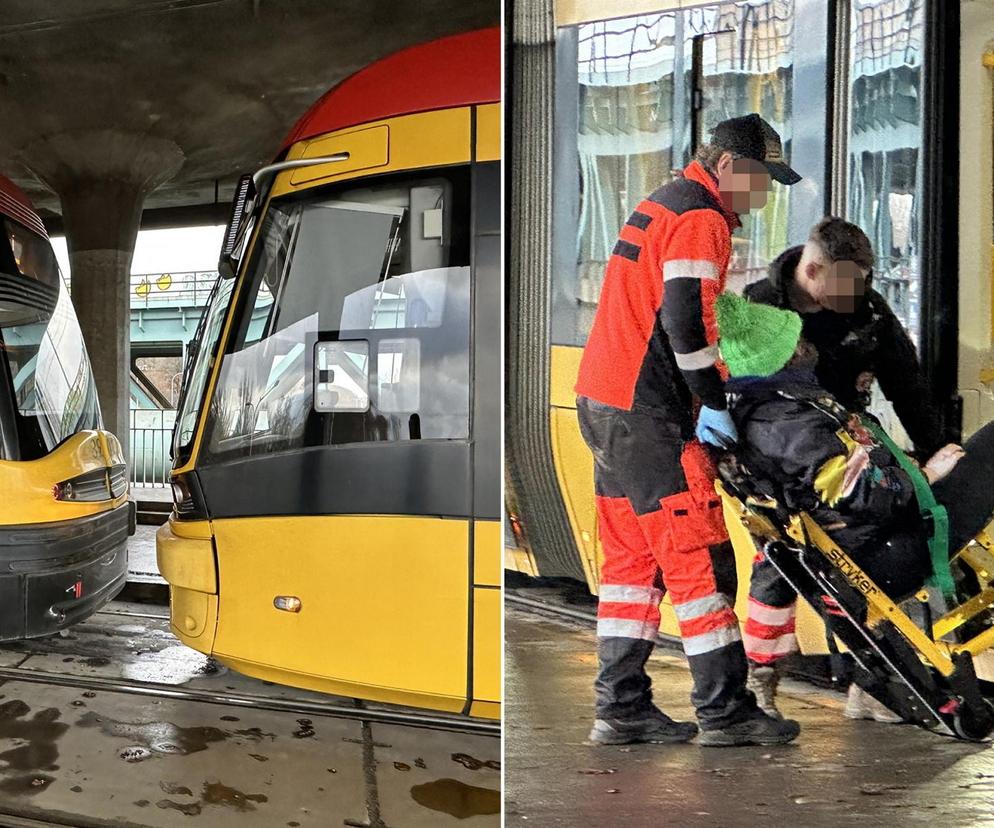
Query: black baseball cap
(751,137)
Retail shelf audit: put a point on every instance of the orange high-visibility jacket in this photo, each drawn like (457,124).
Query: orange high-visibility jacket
(654,337)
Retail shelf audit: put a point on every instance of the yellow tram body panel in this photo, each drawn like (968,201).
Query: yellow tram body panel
(398,636)
(28,484)
(185,555)
(408,142)
(574,468)
(487,639)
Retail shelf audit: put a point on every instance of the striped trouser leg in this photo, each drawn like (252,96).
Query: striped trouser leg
(708,624)
(628,612)
(769,628)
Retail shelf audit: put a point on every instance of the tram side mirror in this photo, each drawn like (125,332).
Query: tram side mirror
(341,376)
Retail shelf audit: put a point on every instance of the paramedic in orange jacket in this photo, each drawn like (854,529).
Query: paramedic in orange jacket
(650,362)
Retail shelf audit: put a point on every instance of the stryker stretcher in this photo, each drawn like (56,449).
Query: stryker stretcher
(919,665)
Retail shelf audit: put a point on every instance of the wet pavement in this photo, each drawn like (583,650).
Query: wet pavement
(105,757)
(142,565)
(838,772)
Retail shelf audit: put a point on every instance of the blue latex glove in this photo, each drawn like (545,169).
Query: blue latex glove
(716,427)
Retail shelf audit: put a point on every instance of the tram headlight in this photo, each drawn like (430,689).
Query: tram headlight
(188,502)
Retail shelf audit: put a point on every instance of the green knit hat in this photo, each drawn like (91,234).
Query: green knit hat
(755,340)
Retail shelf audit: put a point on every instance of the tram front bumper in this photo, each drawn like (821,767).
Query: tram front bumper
(54,575)
(185,555)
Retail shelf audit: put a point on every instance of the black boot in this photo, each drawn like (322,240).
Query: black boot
(758,729)
(652,725)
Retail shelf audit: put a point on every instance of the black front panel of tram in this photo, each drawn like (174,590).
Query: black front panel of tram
(408,478)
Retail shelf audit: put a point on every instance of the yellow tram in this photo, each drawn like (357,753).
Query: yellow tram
(336,455)
(65,516)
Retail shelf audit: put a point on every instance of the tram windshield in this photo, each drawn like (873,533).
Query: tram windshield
(47,391)
(355,326)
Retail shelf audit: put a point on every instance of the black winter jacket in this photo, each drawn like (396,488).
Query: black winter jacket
(870,340)
(817,457)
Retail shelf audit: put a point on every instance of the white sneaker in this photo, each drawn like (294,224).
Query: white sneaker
(861,705)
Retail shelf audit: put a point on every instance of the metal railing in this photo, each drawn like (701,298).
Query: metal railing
(190,289)
(150,434)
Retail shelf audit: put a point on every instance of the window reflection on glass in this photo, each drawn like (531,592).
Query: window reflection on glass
(32,254)
(398,368)
(625,141)
(341,376)
(54,392)
(885,139)
(746,65)
(386,266)
(636,108)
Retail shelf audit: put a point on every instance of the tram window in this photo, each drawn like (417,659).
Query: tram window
(53,387)
(398,372)
(385,263)
(210,330)
(33,254)
(884,145)
(627,117)
(341,376)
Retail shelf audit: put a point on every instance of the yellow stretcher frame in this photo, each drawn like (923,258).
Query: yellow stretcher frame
(978,555)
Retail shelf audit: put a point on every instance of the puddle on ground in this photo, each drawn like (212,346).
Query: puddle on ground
(472,764)
(214,793)
(170,665)
(305,731)
(134,753)
(159,737)
(450,796)
(30,783)
(255,734)
(190,809)
(35,742)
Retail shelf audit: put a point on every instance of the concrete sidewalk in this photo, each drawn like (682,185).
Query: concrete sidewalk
(837,773)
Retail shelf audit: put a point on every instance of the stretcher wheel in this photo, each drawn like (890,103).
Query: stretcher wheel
(972,724)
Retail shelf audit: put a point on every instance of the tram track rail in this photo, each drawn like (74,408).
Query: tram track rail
(14,819)
(358,711)
(588,618)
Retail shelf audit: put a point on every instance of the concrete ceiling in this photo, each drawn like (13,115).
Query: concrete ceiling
(222,79)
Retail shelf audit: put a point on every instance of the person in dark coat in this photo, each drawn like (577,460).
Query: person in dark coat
(818,456)
(828,282)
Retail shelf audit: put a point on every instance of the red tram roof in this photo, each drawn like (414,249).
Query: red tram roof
(460,70)
(15,205)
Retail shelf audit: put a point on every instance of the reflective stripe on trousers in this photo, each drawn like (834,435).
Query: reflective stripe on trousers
(769,628)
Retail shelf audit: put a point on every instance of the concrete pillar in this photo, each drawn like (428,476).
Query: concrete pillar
(102,178)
